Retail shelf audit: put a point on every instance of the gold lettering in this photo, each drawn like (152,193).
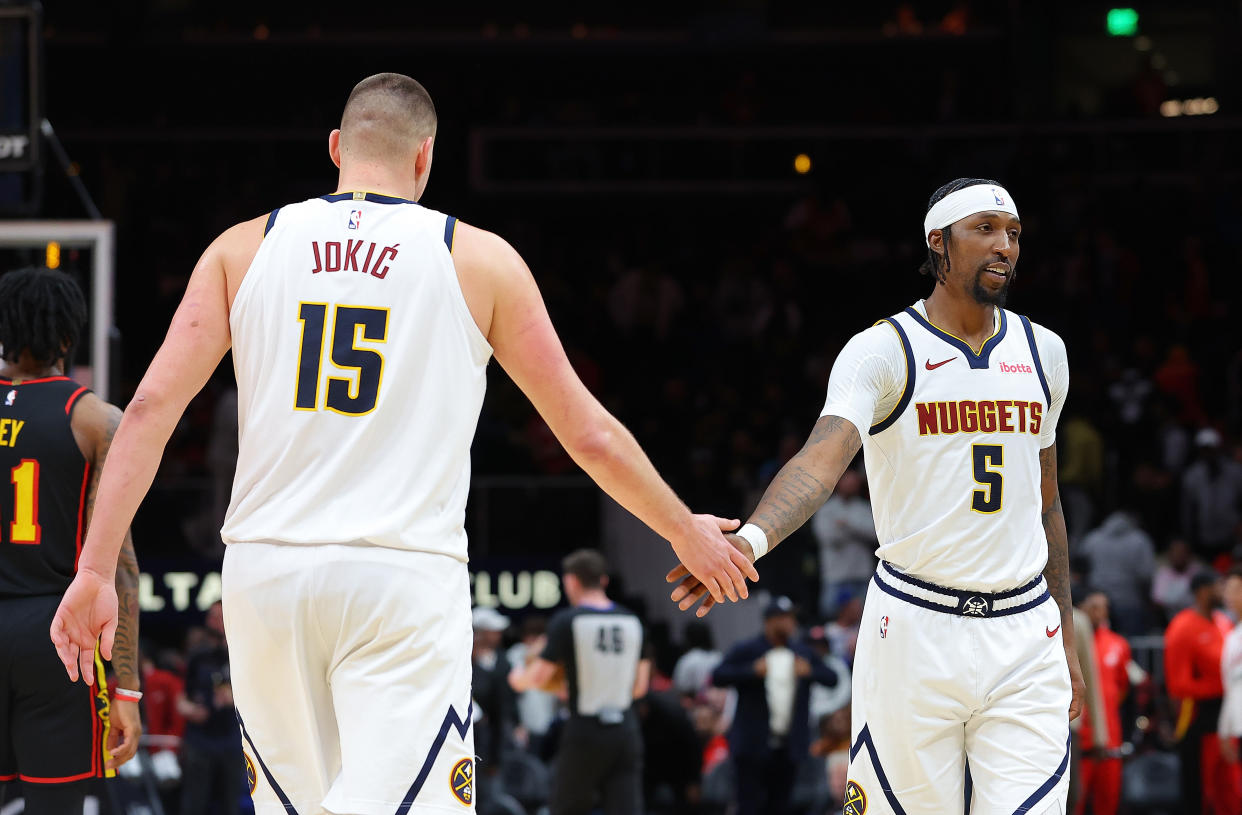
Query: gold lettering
(18,424)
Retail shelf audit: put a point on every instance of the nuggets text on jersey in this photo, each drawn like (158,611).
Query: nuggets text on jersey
(982,416)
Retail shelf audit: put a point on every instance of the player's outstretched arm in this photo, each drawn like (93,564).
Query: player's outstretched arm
(1057,570)
(94,425)
(509,309)
(798,490)
(196,342)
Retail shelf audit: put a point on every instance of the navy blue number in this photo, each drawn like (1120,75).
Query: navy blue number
(985,457)
(351,396)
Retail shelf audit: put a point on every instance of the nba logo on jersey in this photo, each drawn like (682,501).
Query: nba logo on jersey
(884,626)
(355,218)
(8,400)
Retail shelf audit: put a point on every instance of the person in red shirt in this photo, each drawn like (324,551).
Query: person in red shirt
(1193,644)
(164,723)
(160,704)
(1100,770)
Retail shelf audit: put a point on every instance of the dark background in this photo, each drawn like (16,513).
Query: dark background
(641,158)
(648,148)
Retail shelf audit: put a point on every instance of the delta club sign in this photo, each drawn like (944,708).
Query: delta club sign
(506,587)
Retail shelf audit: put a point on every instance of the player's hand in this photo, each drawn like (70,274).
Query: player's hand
(761,667)
(126,731)
(802,668)
(706,554)
(86,616)
(691,589)
(1077,686)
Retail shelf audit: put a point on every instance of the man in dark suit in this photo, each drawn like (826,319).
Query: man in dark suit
(770,735)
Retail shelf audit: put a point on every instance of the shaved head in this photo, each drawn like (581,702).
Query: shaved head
(387,117)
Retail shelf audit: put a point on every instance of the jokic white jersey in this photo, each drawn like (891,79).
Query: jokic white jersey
(360,376)
(951,441)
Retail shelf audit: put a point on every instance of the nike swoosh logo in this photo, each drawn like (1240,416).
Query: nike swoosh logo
(1053,632)
(932,367)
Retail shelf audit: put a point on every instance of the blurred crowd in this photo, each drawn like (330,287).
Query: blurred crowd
(709,324)
(764,721)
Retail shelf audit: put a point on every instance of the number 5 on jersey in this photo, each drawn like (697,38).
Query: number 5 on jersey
(983,458)
(354,395)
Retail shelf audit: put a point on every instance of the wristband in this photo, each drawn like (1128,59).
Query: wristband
(756,538)
(127,695)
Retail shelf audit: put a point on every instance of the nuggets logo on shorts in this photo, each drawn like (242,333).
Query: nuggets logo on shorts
(252,778)
(855,799)
(461,781)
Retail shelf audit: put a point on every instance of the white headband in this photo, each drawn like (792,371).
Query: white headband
(967,201)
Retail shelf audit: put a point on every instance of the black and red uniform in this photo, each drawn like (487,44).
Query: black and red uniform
(51,730)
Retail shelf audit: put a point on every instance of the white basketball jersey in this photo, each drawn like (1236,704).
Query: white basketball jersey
(954,469)
(360,376)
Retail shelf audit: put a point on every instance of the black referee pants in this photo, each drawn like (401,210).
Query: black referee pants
(598,762)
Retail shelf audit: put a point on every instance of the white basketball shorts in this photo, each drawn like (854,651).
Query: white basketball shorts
(351,676)
(960,702)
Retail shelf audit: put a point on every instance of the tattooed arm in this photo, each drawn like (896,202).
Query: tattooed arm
(798,490)
(1057,570)
(125,646)
(94,424)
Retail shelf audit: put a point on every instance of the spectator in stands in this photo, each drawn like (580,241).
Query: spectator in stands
(672,769)
(1229,727)
(827,700)
(1100,769)
(770,737)
(1212,497)
(1193,645)
(1121,560)
(845,531)
(842,633)
(1178,376)
(1080,471)
(493,698)
(536,708)
(644,304)
(693,671)
(160,691)
(1093,702)
(1172,437)
(211,750)
(833,745)
(1170,588)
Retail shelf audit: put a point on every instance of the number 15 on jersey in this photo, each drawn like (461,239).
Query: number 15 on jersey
(357,393)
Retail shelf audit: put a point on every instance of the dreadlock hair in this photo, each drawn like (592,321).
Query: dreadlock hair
(937,266)
(42,312)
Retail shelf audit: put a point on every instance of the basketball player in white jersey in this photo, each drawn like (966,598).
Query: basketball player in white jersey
(361,324)
(965,667)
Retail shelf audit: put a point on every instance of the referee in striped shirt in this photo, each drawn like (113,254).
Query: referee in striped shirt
(598,645)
